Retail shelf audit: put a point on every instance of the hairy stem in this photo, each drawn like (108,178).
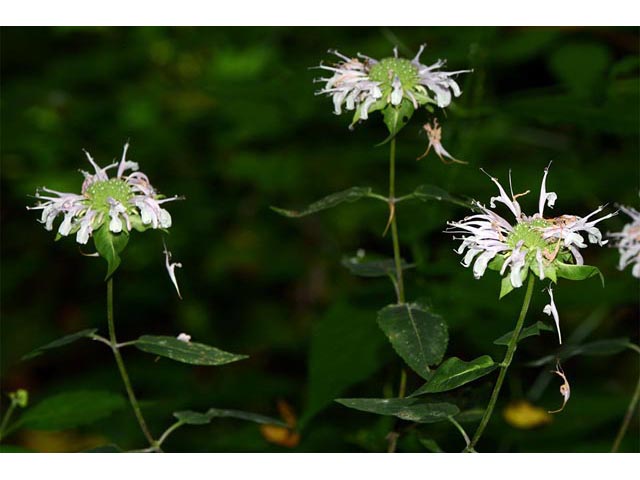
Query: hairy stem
(394,225)
(123,371)
(631,410)
(511,349)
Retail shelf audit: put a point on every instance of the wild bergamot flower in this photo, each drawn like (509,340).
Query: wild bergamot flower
(365,85)
(548,247)
(109,208)
(628,242)
(123,202)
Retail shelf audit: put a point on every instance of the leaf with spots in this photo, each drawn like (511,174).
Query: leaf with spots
(417,334)
(186,352)
(410,409)
(454,373)
(396,117)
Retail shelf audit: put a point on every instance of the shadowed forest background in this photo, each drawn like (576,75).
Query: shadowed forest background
(228,118)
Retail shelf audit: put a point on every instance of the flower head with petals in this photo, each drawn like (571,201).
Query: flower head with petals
(123,202)
(548,247)
(535,242)
(363,84)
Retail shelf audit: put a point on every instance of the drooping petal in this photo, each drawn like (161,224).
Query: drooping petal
(171,267)
(551,310)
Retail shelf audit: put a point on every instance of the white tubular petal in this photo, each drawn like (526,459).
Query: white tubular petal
(416,59)
(396,94)
(551,310)
(123,161)
(164,218)
(115,225)
(481,262)
(546,198)
(171,269)
(635,271)
(65,226)
(85,230)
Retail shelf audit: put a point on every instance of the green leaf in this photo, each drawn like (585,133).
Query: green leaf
(431,192)
(186,352)
(418,335)
(529,331)
(60,342)
(454,373)
(410,409)
(496,263)
(468,416)
(505,286)
(109,245)
(71,409)
(136,223)
(190,417)
(577,272)
(395,118)
(611,346)
(345,350)
(350,195)
(431,445)
(365,267)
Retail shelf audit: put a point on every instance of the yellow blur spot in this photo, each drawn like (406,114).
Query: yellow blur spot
(283,436)
(525,416)
(59,442)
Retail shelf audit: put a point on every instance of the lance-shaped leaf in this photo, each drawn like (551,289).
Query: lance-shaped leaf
(60,342)
(578,272)
(71,409)
(410,409)
(529,331)
(186,352)
(611,346)
(367,267)
(190,417)
(418,335)
(396,117)
(109,245)
(350,195)
(454,373)
(431,192)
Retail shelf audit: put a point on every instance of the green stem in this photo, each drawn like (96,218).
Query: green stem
(630,412)
(6,418)
(461,430)
(123,371)
(168,432)
(394,226)
(511,349)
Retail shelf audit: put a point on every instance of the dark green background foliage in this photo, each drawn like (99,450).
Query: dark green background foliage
(228,118)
